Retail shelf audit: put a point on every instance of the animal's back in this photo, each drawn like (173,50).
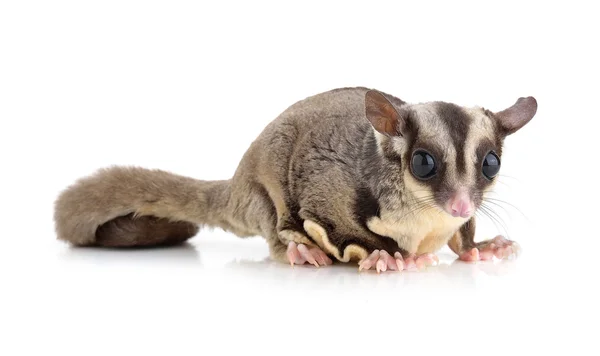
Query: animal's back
(326,118)
(305,166)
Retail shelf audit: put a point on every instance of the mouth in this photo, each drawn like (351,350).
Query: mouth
(459,214)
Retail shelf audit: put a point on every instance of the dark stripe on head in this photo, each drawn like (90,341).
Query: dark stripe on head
(498,133)
(482,183)
(457,122)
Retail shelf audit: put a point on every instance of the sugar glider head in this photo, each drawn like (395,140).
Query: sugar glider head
(449,155)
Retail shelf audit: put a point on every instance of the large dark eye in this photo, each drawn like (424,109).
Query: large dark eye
(423,165)
(491,165)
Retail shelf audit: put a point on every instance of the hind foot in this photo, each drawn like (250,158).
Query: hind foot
(498,247)
(382,261)
(300,254)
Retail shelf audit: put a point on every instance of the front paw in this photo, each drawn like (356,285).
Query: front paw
(498,247)
(382,261)
(300,254)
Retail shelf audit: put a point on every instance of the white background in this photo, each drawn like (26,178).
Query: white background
(186,87)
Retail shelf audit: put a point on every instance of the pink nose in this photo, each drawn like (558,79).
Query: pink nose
(460,205)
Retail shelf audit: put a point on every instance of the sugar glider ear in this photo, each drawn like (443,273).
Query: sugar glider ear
(515,117)
(383,115)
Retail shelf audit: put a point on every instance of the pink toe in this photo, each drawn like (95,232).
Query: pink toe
(471,255)
(389,260)
(486,255)
(366,265)
(307,255)
(319,255)
(422,261)
(425,260)
(326,258)
(431,259)
(391,264)
(374,256)
(381,266)
(409,263)
(400,264)
(370,261)
(292,253)
(319,259)
(501,241)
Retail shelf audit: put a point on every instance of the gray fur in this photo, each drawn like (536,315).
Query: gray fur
(319,161)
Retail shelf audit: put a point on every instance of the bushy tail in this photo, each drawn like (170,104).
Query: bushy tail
(131,206)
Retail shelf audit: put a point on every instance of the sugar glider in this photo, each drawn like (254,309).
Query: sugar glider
(351,174)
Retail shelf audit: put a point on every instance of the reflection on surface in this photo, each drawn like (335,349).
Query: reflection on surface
(249,260)
(180,254)
(444,275)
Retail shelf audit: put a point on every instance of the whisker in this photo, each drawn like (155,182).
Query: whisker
(501,182)
(487,214)
(421,204)
(495,217)
(497,201)
(496,204)
(507,176)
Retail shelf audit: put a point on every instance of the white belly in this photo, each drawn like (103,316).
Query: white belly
(425,232)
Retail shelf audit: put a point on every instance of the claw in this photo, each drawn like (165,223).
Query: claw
(381,266)
(369,261)
(399,261)
(382,261)
(300,253)
(326,258)
(320,259)
(498,247)
(292,253)
(388,260)
(400,265)
(307,255)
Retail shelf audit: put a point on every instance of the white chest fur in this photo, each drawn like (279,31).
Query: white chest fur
(424,232)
